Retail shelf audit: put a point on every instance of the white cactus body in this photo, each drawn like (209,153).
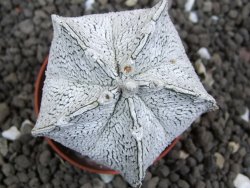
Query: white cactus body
(119,88)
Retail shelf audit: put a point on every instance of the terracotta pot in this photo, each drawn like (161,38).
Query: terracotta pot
(67,154)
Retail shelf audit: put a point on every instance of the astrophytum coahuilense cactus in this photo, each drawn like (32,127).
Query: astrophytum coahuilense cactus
(119,88)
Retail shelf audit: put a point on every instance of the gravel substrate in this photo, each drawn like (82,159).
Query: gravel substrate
(211,153)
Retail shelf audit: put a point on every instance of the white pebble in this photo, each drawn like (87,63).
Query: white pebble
(215,18)
(245,116)
(233,146)
(199,67)
(189,5)
(193,17)
(183,155)
(203,52)
(11,134)
(241,181)
(89,4)
(220,160)
(106,178)
(130,3)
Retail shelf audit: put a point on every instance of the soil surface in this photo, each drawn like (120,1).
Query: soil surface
(210,154)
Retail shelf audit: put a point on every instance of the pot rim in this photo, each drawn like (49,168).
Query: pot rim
(58,150)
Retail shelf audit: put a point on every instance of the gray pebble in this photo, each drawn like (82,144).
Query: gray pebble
(11,78)
(119,182)
(8,170)
(207,6)
(3,146)
(200,184)
(23,177)
(174,177)
(163,171)
(34,182)
(26,26)
(45,157)
(233,14)
(97,183)
(183,184)
(152,183)
(44,173)
(22,161)
(246,161)
(10,180)
(164,183)
(86,185)
(4,112)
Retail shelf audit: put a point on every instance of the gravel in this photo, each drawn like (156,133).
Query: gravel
(4,111)
(217,145)
(45,157)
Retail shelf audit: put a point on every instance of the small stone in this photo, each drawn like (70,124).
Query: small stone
(215,18)
(45,157)
(106,178)
(193,17)
(148,176)
(207,6)
(26,26)
(209,80)
(4,112)
(233,14)
(245,116)
(190,146)
(119,182)
(189,5)
(152,183)
(103,2)
(200,184)
(183,184)
(246,11)
(210,164)
(12,133)
(11,78)
(22,177)
(26,127)
(86,185)
(183,154)
(22,161)
(97,183)
(44,173)
(241,181)
(3,147)
(10,180)
(204,54)
(34,182)
(219,159)
(199,67)
(130,3)
(233,146)
(246,161)
(242,152)
(217,59)
(1,162)
(89,4)
(8,170)
(163,171)
(236,168)
(42,2)
(174,177)
(164,183)
(244,54)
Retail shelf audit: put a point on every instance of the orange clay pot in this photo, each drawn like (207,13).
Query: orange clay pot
(67,154)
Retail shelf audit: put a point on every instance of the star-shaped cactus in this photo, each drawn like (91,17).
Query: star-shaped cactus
(119,88)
